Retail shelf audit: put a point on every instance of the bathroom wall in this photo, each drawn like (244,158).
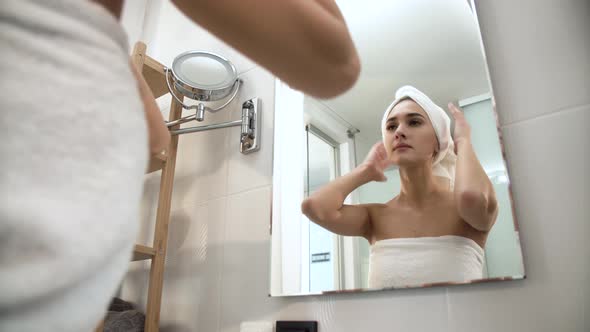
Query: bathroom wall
(217,272)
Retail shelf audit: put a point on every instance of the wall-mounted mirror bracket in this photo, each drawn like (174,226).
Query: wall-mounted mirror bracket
(250,125)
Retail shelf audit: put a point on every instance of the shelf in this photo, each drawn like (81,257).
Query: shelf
(154,75)
(156,163)
(142,252)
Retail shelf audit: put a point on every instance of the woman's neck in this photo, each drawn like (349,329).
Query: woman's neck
(418,185)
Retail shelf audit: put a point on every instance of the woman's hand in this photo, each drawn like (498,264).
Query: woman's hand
(462,129)
(377,162)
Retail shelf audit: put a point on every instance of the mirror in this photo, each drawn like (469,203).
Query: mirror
(202,76)
(203,72)
(434,46)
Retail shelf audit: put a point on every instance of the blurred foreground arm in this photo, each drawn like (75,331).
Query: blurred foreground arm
(304,43)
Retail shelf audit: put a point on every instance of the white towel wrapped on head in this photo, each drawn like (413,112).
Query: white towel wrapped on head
(446,159)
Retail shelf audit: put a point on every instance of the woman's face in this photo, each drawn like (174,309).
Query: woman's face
(409,135)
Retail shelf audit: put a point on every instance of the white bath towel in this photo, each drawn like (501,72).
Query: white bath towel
(446,159)
(74,151)
(411,262)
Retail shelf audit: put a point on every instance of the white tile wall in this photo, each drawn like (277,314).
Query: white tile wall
(191,295)
(217,270)
(132,19)
(538,54)
(255,169)
(246,260)
(552,193)
(202,163)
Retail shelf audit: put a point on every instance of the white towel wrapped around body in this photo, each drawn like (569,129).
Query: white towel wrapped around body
(410,262)
(74,150)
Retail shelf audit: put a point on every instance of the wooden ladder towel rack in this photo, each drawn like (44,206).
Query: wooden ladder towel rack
(155,76)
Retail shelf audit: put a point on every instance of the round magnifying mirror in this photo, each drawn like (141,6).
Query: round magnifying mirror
(203,76)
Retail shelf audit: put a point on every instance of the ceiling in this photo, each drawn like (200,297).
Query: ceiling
(433,45)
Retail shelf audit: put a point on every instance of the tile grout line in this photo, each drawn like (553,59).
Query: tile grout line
(207,201)
(248,70)
(250,189)
(448,300)
(224,237)
(220,268)
(569,109)
(226,195)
